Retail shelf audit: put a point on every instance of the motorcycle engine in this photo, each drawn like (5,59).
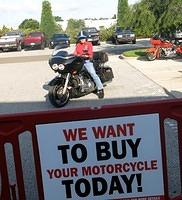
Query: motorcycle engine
(167,52)
(83,83)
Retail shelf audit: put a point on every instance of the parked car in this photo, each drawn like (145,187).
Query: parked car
(178,36)
(92,35)
(123,36)
(60,39)
(35,40)
(12,40)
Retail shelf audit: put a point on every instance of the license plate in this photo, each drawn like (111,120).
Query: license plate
(32,43)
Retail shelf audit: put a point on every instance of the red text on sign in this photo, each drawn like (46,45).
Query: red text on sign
(113,131)
(75,134)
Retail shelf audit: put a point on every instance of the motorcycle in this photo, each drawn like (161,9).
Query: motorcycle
(163,49)
(73,81)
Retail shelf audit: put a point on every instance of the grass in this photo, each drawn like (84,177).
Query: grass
(135,53)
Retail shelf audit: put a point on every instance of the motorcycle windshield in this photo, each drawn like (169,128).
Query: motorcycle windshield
(62,60)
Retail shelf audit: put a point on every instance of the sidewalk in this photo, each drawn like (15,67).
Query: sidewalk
(166,73)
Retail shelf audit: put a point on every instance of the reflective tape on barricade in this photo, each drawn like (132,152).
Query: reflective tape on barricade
(112,152)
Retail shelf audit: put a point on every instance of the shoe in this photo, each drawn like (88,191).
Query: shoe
(100,93)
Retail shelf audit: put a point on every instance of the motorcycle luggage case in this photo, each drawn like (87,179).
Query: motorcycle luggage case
(106,74)
(100,56)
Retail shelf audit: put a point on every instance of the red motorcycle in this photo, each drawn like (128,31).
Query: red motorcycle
(162,49)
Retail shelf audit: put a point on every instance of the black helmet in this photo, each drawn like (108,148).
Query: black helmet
(81,36)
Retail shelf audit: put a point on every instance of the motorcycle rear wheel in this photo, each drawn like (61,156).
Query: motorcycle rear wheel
(151,56)
(56,96)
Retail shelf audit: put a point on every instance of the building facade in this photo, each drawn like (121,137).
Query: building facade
(97,23)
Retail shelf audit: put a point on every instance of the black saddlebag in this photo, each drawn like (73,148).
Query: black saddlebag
(105,74)
(99,58)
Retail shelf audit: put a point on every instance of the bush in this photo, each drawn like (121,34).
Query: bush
(106,33)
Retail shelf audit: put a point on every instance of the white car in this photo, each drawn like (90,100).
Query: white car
(178,36)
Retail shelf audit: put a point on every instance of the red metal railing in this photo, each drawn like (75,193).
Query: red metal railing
(12,126)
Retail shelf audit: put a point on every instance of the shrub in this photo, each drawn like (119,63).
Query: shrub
(106,33)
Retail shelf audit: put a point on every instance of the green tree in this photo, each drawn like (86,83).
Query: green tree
(58,18)
(172,17)
(58,28)
(106,33)
(150,16)
(48,24)
(29,25)
(143,20)
(157,7)
(73,28)
(114,16)
(5,30)
(123,13)
(167,14)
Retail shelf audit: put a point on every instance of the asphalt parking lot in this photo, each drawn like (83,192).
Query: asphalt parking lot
(24,76)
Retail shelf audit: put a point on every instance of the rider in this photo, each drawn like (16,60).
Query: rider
(85,49)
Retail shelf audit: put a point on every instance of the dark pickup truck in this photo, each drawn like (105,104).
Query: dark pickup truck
(60,39)
(92,35)
(123,36)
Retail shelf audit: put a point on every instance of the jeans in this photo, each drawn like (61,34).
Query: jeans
(91,70)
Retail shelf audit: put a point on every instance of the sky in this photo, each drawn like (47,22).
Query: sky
(13,12)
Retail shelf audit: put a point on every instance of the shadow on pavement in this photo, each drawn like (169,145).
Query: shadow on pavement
(176,93)
(178,59)
(24,107)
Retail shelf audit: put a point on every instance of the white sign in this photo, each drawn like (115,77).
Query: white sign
(109,158)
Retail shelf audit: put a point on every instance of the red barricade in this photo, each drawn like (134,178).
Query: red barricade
(13,126)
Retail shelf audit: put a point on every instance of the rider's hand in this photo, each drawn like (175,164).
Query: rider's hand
(85,56)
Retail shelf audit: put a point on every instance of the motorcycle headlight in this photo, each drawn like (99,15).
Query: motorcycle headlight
(61,67)
(55,67)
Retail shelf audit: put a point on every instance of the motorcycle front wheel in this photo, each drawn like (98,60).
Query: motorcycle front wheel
(151,56)
(56,96)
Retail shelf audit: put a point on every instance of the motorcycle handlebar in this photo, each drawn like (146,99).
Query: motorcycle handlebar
(83,57)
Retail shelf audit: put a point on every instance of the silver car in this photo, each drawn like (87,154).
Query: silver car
(178,36)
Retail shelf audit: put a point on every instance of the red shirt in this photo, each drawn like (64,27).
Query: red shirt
(84,49)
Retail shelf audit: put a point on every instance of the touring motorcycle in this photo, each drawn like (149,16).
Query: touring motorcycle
(162,48)
(73,81)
